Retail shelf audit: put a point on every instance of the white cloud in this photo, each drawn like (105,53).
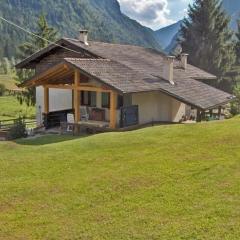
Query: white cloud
(155,13)
(152,13)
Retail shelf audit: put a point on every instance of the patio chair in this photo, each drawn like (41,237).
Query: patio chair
(70,120)
(84,113)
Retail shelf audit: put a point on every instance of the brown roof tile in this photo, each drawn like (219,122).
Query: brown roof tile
(128,80)
(136,69)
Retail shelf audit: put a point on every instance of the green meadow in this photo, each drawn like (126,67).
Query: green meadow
(163,182)
(10,108)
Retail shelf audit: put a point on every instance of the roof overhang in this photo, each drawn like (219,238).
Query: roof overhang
(31,61)
(194,105)
(212,77)
(61,69)
(61,75)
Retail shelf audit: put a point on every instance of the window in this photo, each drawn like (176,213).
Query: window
(84,98)
(88,99)
(105,100)
(93,99)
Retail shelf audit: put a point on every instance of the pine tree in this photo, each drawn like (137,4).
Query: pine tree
(238,43)
(235,106)
(206,36)
(33,45)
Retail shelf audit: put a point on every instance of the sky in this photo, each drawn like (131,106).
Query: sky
(155,13)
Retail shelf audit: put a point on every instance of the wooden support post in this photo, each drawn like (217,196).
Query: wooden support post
(211,112)
(199,116)
(76,93)
(113,111)
(203,116)
(219,112)
(46,100)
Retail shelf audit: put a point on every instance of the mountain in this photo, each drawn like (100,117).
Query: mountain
(173,43)
(168,36)
(103,19)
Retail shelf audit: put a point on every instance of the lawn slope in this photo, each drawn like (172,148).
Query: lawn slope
(8,81)
(165,182)
(9,105)
(11,108)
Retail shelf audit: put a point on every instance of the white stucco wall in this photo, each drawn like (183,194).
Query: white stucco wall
(59,99)
(153,106)
(178,110)
(158,107)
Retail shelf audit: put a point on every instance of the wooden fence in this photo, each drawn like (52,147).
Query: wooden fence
(7,124)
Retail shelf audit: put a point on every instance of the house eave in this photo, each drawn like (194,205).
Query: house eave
(32,81)
(31,61)
(194,105)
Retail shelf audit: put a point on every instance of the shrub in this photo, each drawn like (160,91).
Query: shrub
(18,130)
(2,89)
(235,105)
(234,108)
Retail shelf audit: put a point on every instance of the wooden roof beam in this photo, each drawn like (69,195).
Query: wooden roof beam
(50,72)
(60,76)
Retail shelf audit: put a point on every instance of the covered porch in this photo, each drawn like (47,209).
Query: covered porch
(93,103)
(86,95)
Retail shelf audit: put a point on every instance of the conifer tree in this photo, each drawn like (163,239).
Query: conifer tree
(207,38)
(34,44)
(235,106)
(238,43)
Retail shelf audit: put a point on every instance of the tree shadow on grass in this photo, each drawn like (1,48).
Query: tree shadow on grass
(48,139)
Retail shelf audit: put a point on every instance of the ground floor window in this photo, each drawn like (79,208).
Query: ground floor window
(88,99)
(105,100)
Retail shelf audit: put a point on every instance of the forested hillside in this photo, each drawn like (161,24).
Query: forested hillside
(102,18)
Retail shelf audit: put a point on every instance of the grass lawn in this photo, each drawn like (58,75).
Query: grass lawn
(11,108)
(8,81)
(165,182)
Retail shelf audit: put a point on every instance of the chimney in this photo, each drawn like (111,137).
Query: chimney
(168,69)
(83,36)
(184,60)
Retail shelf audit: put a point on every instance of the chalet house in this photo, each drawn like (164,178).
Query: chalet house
(119,85)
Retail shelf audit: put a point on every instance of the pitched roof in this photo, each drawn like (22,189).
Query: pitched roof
(125,54)
(127,80)
(139,58)
(136,69)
